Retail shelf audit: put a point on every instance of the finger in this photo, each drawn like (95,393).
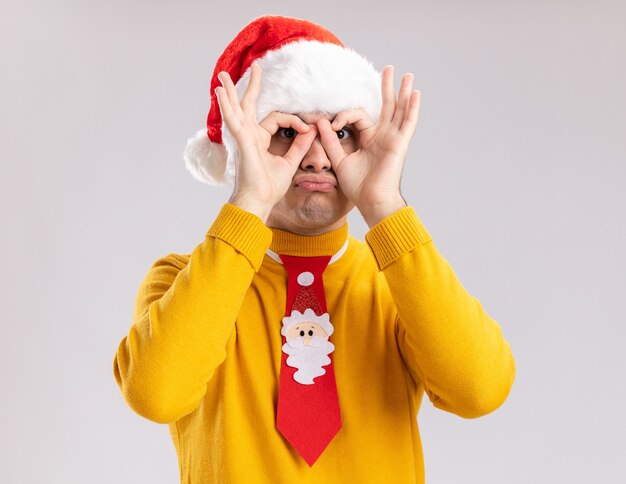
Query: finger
(330,142)
(231,91)
(232,121)
(403,99)
(275,120)
(388,95)
(356,117)
(300,146)
(248,101)
(223,103)
(412,114)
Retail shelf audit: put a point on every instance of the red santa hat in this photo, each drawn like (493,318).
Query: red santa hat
(305,69)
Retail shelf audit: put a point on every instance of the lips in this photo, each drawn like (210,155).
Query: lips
(315,183)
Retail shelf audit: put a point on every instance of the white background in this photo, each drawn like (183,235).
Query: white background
(516,169)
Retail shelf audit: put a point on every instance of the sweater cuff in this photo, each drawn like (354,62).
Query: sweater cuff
(243,231)
(396,235)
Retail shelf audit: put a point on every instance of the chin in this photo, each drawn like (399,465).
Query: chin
(317,212)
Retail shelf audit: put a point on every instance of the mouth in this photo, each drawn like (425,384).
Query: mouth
(315,183)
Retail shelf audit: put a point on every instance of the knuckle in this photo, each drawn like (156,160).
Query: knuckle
(293,118)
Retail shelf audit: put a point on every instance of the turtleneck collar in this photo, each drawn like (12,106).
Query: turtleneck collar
(288,243)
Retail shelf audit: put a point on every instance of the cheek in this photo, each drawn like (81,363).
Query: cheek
(319,331)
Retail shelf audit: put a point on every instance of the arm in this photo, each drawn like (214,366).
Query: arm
(184,315)
(446,338)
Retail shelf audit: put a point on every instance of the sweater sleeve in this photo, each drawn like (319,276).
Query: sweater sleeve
(445,336)
(185,312)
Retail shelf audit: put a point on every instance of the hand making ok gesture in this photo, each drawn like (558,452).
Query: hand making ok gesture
(370,176)
(261,178)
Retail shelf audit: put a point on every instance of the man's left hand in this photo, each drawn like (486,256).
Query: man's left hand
(370,176)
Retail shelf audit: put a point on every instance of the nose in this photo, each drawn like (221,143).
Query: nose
(316,159)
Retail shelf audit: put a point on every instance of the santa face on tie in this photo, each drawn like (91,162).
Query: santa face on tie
(307,344)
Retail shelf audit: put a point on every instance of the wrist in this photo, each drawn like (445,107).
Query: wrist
(255,207)
(375,213)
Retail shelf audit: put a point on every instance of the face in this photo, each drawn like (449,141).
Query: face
(306,331)
(314,203)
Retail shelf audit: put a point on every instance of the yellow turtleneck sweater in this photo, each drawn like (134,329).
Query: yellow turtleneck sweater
(204,351)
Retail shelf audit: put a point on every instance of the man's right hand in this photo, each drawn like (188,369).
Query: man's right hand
(261,178)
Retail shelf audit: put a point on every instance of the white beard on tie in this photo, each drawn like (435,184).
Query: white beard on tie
(308,359)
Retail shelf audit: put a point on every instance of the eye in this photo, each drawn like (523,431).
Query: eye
(344,133)
(287,133)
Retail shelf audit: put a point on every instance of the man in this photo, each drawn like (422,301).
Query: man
(281,349)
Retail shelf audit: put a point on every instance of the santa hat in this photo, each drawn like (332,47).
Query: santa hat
(305,69)
(306,307)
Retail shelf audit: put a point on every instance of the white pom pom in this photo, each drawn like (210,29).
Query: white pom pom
(206,160)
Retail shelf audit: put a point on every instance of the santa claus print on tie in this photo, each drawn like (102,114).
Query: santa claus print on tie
(307,344)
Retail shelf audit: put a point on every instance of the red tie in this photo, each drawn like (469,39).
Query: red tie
(308,413)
